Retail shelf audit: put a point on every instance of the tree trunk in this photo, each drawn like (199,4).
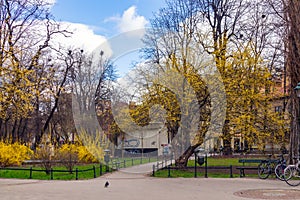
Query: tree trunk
(182,160)
(294,134)
(40,134)
(14,131)
(293,63)
(226,139)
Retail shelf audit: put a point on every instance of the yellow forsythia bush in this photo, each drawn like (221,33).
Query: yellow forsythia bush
(80,151)
(68,148)
(85,156)
(13,154)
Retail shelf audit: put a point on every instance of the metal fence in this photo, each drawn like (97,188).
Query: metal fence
(51,172)
(199,161)
(112,165)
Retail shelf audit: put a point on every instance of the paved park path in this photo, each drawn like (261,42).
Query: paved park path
(134,184)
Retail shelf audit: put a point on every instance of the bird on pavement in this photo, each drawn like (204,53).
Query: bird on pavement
(106,184)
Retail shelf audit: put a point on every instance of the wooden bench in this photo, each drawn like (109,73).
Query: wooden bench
(244,161)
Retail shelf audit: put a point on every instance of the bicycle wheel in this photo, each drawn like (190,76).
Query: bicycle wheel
(292,176)
(279,171)
(263,170)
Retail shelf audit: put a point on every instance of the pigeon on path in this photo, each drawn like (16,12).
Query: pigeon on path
(106,184)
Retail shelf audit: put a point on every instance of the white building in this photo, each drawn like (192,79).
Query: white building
(152,139)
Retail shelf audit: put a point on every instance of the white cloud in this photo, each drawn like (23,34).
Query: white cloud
(52,2)
(129,20)
(82,36)
(47,3)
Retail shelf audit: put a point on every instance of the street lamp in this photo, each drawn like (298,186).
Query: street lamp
(297,90)
(106,158)
(200,159)
(142,144)
(196,151)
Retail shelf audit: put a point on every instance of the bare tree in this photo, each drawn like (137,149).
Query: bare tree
(92,79)
(91,83)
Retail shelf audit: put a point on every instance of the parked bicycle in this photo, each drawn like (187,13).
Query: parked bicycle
(269,166)
(279,169)
(265,168)
(292,173)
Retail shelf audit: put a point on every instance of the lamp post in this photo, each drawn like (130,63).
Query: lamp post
(106,158)
(142,143)
(297,90)
(196,151)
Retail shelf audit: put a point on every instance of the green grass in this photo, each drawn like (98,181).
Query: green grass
(129,162)
(211,161)
(41,175)
(87,174)
(25,174)
(190,174)
(174,174)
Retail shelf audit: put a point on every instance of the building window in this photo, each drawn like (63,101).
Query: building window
(278,108)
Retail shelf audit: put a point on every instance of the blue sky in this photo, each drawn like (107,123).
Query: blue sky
(95,21)
(97,13)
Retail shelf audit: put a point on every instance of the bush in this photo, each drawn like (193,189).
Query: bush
(85,156)
(70,154)
(45,154)
(13,154)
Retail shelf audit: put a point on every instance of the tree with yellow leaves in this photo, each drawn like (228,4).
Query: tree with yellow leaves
(25,34)
(249,95)
(183,28)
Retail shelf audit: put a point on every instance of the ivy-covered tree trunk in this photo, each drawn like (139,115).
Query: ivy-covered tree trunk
(293,63)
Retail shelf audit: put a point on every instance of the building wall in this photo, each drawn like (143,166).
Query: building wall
(152,137)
